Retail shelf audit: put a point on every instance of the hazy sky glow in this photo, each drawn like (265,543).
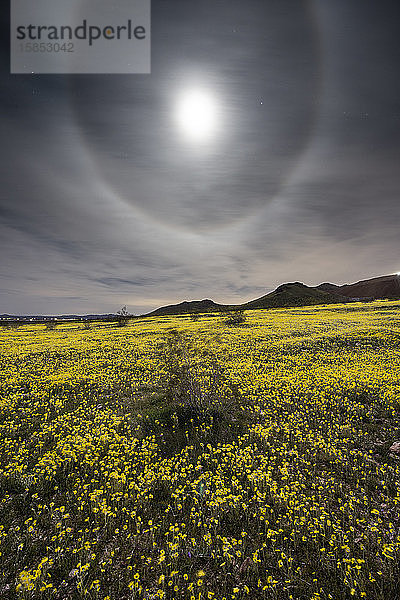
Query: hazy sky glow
(263,148)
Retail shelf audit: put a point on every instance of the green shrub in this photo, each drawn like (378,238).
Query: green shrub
(235,317)
(195,402)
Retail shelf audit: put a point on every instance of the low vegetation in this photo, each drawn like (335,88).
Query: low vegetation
(235,317)
(190,459)
(122,317)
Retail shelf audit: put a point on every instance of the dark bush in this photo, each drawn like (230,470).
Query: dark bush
(235,317)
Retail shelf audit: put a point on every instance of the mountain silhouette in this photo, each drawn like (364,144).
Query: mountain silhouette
(296,294)
(387,286)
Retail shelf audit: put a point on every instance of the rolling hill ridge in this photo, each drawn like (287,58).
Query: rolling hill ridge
(387,286)
(296,294)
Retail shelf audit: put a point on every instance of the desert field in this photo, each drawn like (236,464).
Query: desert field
(188,458)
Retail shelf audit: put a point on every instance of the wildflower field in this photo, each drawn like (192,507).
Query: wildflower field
(189,458)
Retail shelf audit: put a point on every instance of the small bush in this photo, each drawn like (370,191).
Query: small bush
(195,401)
(235,317)
(123,317)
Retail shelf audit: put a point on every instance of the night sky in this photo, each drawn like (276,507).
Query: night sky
(109,197)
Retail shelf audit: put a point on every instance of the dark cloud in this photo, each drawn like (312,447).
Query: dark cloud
(103,203)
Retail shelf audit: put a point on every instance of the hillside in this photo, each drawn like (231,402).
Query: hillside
(296,294)
(195,306)
(331,288)
(387,286)
(292,294)
(288,294)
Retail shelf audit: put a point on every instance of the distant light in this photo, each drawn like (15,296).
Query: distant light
(196,115)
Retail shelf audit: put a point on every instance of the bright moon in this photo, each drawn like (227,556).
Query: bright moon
(196,115)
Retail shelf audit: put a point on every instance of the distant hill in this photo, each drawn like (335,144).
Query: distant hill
(328,287)
(293,294)
(296,294)
(288,294)
(387,286)
(195,306)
